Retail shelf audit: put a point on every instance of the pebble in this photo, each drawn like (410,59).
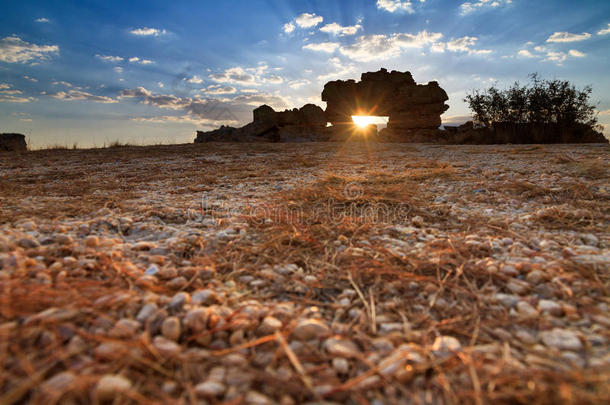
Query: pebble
(166,347)
(341,347)
(519,287)
(59,384)
(561,339)
(508,300)
(170,328)
(92,241)
(63,239)
(146,312)
(124,328)
(178,301)
(310,329)
(111,385)
(152,270)
(535,276)
(446,345)
(196,319)
(341,365)
(269,325)
(550,307)
(205,297)
(256,398)
(27,243)
(210,389)
(526,309)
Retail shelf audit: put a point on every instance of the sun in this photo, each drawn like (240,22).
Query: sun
(363,121)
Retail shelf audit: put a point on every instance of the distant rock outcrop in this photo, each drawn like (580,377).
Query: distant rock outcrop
(307,123)
(414,110)
(13,143)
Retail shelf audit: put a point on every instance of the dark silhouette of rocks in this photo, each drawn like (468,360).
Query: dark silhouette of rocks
(414,110)
(307,123)
(13,143)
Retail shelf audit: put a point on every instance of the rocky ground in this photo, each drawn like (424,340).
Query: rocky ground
(306,273)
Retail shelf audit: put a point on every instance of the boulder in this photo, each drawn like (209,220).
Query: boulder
(13,143)
(412,108)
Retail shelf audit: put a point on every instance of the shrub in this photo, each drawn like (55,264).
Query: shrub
(539,101)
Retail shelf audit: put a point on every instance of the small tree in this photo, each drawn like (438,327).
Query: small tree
(539,101)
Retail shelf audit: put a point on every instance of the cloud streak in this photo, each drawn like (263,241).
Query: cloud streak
(568,37)
(15,50)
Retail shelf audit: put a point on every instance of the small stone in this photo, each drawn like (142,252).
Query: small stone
(167,273)
(177,283)
(110,351)
(27,243)
(210,389)
(561,339)
(525,337)
(526,309)
(256,398)
(341,347)
(518,286)
(92,241)
(146,312)
(590,240)
(310,329)
(124,328)
(418,221)
(58,385)
(152,270)
(535,276)
(63,239)
(446,345)
(205,297)
(269,325)
(146,281)
(550,307)
(508,300)
(178,301)
(170,328)
(390,327)
(196,319)
(111,385)
(340,365)
(509,270)
(166,347)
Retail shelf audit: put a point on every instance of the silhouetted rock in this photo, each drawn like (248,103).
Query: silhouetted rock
(298,125)
(410,107)
(13,143)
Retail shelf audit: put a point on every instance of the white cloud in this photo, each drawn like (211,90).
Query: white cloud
(525,53)
(288,27)
(395,5)
(416,40)
(42,20)
(604,31)
(76,95)
(14,50)
(605,112)
(257,99)
(234,75)
(568,37)
(118,69)
(337,29)
(62,83)
(146,32)
(329,47)
(195,80)
(295,84)
(217,89)
(134,59)
(307,20)
(438,47)
(558,57)
(371,47)
(462,44)
(273,79)
(32,79)
(470,7)
(5,89)
(184,119)
(14,99)
(577,54)
(109,58)
(160,84)
(146,62)
(4,86)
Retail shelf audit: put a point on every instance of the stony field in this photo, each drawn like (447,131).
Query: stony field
(306,273)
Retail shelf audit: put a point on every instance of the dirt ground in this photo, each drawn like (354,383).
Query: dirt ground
(306,273)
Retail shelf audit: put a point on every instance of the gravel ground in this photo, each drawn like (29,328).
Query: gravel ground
(306,273)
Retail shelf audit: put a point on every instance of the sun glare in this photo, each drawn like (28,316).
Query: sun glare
(363,120)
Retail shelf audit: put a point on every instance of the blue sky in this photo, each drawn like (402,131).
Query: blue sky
(93,72)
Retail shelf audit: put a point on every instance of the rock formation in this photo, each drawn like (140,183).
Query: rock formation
(307,123)
(13,143)
(414,110)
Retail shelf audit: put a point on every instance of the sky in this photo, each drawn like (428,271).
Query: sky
(145,72)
